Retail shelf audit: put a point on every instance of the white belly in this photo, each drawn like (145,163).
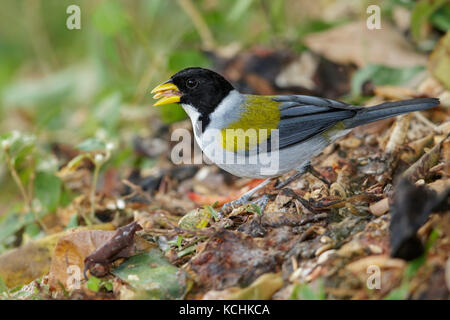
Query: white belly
(266,165)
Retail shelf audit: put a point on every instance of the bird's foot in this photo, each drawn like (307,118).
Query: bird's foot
(318,175)
(229,206)
(258,204)
(300,172)
(280,185)
(244,199)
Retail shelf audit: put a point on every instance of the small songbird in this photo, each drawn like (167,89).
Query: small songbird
(266,136)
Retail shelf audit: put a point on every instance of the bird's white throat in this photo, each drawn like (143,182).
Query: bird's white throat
(225,113)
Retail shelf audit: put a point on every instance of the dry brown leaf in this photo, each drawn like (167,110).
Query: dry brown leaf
(22,265)
(394,92)
(71,250)
(355,43)
(381,261)
(261,289)
(440,185)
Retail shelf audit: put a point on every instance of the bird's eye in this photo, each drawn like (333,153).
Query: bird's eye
(191,83)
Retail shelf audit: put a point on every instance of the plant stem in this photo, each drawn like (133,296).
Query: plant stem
(18,182)
(25,196)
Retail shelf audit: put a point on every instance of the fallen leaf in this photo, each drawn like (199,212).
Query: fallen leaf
(151,276)
(382,261)
(421,168)
(73,248)
(439,64)
(70,253)
(355,43)
(261,289)
(22,265)
(231,258)
(119,246)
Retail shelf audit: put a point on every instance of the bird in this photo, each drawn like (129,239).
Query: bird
(264,137)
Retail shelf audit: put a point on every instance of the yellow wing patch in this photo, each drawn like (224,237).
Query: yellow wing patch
(261,115)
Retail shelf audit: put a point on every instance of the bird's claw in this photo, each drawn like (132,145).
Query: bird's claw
(230,206)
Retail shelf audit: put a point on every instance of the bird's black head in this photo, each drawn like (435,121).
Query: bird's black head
(201,88)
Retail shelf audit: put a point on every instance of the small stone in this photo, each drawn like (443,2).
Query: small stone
(379,208)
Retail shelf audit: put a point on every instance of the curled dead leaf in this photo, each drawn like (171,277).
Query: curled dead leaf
(22,265)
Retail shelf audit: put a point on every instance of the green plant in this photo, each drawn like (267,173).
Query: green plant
(98,152)
(306,291)
(32,172)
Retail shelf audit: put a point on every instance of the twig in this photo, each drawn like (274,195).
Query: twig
(137,190)
(421,168)
(18,182)
(398,135)
(93,189)
(177,231)
(419,116)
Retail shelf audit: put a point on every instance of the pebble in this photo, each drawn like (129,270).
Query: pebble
(325,256)
(379,208)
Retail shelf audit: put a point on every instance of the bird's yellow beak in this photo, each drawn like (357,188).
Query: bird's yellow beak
(168,92)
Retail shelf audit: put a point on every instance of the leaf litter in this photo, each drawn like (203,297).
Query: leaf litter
(386,207)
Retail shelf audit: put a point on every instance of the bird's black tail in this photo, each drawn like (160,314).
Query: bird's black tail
(390,109)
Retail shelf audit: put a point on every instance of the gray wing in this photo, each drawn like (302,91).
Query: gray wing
(302,117)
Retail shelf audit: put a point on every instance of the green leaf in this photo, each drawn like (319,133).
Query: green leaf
(441,18)
(382,75)
(421,14)
(19,144)
(13,222)
(152,276)
(91,144)
(186,251)
(213,212)
(109,106)
(32,229)
(255,209)
(73,222)
(93,283)
(47,189)
(434,235)
(107,285)
(400,293)
(304,291)
(77,161)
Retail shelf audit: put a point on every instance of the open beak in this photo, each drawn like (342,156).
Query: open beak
(167,93)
